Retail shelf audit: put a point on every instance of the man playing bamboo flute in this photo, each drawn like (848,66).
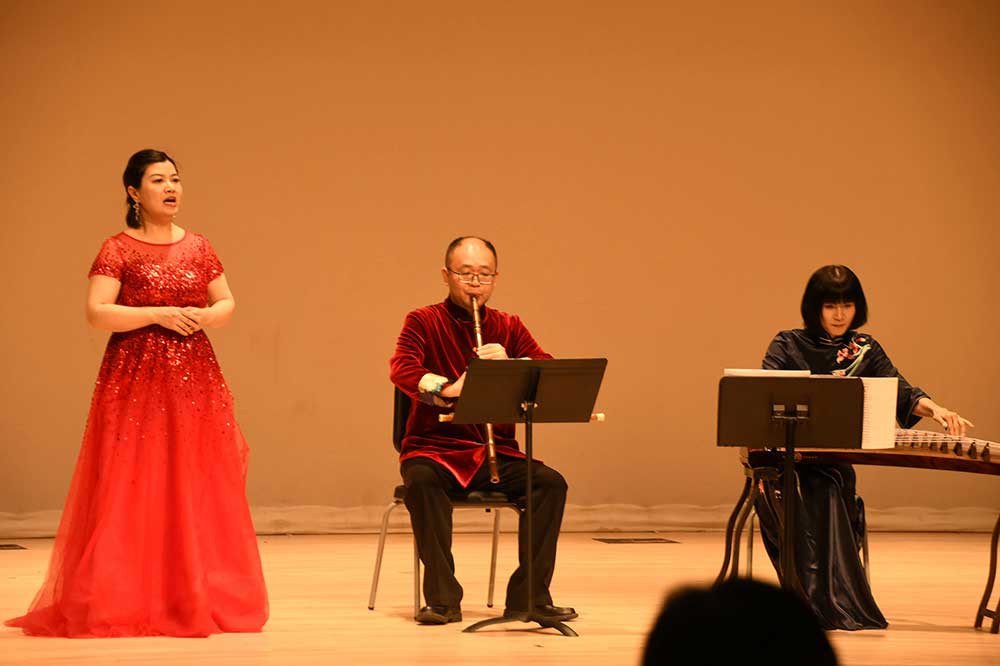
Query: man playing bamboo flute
(432,352)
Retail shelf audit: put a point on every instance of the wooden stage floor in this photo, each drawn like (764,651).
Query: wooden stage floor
(928,586)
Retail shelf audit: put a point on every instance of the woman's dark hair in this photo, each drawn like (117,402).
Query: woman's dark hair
(134,171)
(833,284)
(452,246)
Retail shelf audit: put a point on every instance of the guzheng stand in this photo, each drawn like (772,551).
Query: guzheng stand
(984,611)
(528,391)
(783,413)
(763,462)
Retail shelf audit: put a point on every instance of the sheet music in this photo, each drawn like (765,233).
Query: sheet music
(879,425)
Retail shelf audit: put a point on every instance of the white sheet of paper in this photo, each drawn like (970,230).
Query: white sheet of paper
(879,426)
(760,372)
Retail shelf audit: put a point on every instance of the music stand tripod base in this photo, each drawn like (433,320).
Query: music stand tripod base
(545,622)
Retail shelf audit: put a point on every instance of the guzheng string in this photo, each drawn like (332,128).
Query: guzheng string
(945,443)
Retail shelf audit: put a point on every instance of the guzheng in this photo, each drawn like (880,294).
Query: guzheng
(913,448)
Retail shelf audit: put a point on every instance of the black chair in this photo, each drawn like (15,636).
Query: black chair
(476,499)
(750,535)
(754,476)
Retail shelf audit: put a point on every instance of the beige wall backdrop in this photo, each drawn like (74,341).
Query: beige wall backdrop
(660,180)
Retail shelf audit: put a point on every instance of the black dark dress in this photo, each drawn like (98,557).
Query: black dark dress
(830,516)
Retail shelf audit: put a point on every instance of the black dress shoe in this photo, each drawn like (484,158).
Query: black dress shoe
(547,611)
(438,615)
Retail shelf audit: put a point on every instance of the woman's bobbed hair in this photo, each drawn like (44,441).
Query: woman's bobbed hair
(833,284)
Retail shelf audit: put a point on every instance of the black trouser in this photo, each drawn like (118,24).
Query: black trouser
(427,487)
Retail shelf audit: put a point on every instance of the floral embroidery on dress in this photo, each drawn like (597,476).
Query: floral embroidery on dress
(854,352)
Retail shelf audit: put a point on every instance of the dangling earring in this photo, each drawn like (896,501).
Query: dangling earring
(138,215)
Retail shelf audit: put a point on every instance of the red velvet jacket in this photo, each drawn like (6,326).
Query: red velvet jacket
(439,339)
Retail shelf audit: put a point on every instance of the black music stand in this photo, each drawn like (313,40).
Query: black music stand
(782,413)
(529,391)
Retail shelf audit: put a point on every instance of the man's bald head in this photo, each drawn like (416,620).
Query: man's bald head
(462,240)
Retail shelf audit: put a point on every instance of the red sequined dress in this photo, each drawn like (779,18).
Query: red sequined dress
(156,536)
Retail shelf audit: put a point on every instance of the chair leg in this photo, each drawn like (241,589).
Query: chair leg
(750,533)
(741,520)
(416,560)
(416,579)
(864,556)
(378,554)
(493,556)
(733,536)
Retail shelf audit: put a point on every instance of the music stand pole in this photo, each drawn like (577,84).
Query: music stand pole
(529,391)
(532,616)
(789,579)
(830,411)
(527,411)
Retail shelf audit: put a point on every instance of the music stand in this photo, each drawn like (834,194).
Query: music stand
(821,412)
(529,391)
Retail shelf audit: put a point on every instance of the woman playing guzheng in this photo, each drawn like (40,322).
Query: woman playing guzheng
(155,537)
(830,519)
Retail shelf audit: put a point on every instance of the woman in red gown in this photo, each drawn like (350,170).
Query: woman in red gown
(156,536)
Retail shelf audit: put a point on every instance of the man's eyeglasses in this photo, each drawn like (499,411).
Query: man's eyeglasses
(467,278)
